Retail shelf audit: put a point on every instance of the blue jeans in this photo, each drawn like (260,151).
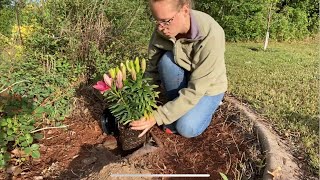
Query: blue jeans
(174,78)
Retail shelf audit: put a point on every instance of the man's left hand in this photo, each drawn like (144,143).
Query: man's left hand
(143,124)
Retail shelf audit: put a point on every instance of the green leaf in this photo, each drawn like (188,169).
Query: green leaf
(35,154)
(118,109)
(27,150)
(224,177)
(35,146)
(128,121)
(154,86)
(24,144)
(9,125)
(29,138)
(123,118)
(6,156)
(9,132)
(9,121)
(3,123)
(40,110)
(2,163)
(38,136)
(10,138)
(153,105)
(22,138)
(29,128)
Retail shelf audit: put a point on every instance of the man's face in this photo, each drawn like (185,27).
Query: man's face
(169,19)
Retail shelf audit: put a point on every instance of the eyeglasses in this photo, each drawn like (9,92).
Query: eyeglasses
(163,22)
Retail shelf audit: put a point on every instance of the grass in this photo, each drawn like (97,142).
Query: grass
(282,84)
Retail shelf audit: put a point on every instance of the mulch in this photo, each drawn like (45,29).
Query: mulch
(228,146)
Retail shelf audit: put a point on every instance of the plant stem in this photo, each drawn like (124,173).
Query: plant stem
(13,85)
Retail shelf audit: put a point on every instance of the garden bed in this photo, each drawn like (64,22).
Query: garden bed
(228,146)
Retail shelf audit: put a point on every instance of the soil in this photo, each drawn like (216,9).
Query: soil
(82,151)
(128,138)
(226,147)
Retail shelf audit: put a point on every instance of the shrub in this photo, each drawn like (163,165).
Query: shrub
(6,19)
(131,30)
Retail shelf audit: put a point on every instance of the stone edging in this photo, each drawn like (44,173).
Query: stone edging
(279,161)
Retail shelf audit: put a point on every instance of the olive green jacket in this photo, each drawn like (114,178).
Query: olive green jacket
(202,55)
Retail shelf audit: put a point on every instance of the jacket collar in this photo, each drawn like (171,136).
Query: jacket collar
(194,28)
(195,33)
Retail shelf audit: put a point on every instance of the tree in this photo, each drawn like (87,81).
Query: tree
(5,3)
(6,17)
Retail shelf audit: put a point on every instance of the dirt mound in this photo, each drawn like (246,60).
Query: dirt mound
(119,168)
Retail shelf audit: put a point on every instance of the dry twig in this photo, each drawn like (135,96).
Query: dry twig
(229,165)
(46,128)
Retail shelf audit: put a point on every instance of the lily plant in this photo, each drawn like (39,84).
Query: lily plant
(130,96)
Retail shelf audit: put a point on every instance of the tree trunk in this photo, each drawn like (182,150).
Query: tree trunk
(268,29)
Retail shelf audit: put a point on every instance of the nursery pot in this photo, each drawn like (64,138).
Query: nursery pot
(108,123)
(129,138)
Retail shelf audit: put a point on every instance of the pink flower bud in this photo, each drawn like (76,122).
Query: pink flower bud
(107,80)
(119,83)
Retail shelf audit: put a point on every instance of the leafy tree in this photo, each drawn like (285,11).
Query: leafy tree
(5,3)
(247,19)
(6,17)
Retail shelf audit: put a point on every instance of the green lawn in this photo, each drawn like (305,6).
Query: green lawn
(282,84)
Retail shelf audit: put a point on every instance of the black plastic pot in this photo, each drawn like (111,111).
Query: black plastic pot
(127,138)
(108,123)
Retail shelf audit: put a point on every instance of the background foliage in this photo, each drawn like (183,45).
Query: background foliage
(247,19)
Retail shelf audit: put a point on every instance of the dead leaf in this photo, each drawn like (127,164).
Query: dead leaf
(14,170)
(17,152)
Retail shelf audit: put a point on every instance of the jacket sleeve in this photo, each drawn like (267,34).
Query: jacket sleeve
(205,72)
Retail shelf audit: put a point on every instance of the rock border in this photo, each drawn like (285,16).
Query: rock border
(280,164)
